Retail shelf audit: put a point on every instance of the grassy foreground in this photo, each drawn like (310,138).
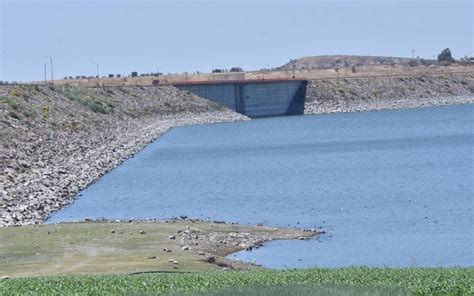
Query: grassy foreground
(346,281)
(123,248)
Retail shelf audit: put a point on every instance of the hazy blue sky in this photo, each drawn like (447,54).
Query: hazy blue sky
(125,36)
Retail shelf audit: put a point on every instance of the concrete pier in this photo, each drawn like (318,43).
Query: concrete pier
(253,98)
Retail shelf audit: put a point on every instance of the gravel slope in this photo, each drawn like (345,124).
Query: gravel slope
(54,141)
(368,94)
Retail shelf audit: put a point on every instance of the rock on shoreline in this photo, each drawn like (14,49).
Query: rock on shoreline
(131,248)
(379,93)
(55,141)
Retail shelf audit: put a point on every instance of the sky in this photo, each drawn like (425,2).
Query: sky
(179,36)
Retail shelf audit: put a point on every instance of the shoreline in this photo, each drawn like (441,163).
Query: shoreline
(139,134)
(364,106)
(157,246)
(388,93)
(47,162)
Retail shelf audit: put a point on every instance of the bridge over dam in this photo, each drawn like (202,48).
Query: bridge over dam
(253,98)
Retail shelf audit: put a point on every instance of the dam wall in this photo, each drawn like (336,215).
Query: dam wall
(254,98)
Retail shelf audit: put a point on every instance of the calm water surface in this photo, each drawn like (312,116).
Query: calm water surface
(390,188)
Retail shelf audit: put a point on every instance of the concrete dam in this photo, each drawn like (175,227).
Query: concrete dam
(253,98)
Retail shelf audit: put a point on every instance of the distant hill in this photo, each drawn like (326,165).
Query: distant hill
(333,61)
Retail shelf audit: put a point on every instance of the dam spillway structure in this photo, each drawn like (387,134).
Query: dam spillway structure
(253,98)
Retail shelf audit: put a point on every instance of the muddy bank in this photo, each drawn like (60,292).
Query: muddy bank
(54,141)
(368,94)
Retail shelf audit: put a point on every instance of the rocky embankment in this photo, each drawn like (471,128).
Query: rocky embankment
(54,141)
(367,94)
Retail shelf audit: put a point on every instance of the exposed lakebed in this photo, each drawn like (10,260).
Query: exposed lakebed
(390,188)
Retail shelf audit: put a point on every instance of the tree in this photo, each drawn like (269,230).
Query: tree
(134,74)
(445,56)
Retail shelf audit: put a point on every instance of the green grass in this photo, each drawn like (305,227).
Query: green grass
(344,281)
(117,248)
(301,290)
(9,101)
(14,115)
(95,102)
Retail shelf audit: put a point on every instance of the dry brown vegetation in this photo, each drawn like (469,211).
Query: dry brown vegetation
(284,73)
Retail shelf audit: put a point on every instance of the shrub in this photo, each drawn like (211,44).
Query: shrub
(10,102)
(419,78)
(15,92)
(27,113)
(97,107)
(14,115)
(95,102)
(445,56)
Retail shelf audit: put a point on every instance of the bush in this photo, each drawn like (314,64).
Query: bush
(111,75)
(445,56)
(134,74)
(14,114)
(27,113)
(97,107)
(15,92)
(95,102)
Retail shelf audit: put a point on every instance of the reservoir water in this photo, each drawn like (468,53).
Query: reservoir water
(389,188)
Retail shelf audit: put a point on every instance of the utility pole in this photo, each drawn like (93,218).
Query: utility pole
(51,61)
(45,79)
(159,68)
(97,66)
(294,67)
